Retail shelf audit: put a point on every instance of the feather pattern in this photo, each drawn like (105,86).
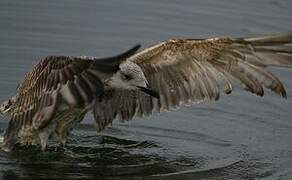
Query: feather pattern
(193,71)
(182,71)
(57,80)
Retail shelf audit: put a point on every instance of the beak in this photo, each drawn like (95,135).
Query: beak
(149,91)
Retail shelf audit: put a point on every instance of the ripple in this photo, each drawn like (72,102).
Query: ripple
(112,157)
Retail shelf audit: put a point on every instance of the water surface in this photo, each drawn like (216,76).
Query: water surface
(239,137)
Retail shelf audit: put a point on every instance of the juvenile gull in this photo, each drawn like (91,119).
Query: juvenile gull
(60,90)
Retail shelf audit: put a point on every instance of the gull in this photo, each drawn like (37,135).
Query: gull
(57,93)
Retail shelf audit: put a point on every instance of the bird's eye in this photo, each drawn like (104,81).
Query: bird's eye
(126,77)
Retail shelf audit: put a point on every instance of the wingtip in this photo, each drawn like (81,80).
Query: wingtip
(284,95)
(130,52)
(136,47)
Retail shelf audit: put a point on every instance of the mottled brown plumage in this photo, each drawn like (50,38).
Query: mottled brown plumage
(57,85)
(196,70)
(59,91)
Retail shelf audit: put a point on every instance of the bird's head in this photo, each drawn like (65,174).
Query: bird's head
(6,106)
(131,77)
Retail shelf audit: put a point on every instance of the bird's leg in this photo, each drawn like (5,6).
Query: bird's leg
(44,136)
(63,141)
(61,144)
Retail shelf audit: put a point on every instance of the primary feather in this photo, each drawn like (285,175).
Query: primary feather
(193,71)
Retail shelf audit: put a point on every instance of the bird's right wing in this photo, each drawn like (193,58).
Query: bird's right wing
(189,70)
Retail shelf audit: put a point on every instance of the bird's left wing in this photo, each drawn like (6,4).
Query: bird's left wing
(75,80)
(193,71)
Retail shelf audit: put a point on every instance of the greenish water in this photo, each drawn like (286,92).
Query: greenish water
(239,137)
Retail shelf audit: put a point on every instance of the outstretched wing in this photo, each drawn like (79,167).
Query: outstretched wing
(74,80)
(190,70)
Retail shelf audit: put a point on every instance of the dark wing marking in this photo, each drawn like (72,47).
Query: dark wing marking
(75,80)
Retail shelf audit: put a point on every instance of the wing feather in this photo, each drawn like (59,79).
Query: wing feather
(75,79)
(194,71)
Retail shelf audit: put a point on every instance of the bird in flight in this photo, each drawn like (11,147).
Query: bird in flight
(60,90)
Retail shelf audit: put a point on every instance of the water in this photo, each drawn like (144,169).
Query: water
(239,137)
